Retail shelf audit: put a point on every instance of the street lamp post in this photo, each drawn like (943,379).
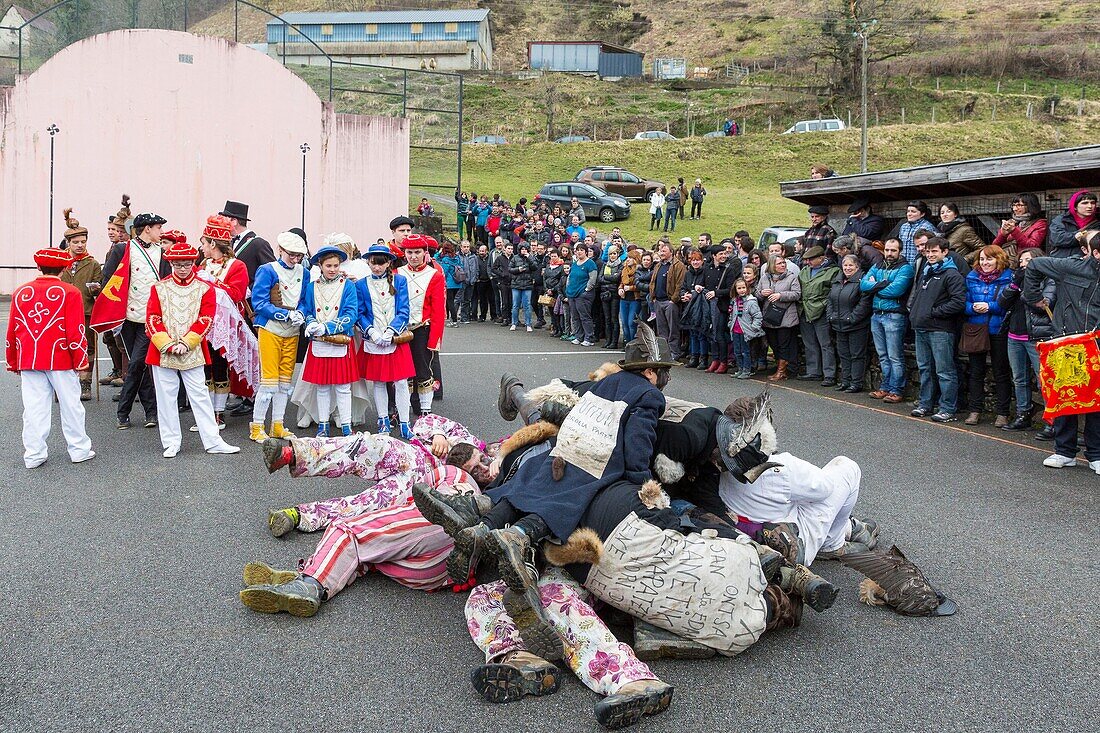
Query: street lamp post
(864,30)
(304,147)
(53,130)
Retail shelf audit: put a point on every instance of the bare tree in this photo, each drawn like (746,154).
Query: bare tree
(900,28)
(551,95)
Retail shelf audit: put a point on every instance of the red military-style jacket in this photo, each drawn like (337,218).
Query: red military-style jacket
(179,310)
(46,327)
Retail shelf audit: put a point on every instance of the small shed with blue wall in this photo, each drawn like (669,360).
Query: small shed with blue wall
(604,60)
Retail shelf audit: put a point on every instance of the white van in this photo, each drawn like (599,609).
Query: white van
(829,125)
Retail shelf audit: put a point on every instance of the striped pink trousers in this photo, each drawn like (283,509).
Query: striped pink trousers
(396,541)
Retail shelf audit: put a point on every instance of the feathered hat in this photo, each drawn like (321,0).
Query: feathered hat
(74,229)
(647,351)
(746,423)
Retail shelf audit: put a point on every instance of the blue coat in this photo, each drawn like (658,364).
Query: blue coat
(266,279)
(562,503)
(343,321)
(366,307)
(979,292)
(892,297)
(449,264)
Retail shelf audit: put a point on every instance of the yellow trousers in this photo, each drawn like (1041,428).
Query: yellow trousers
(277,355)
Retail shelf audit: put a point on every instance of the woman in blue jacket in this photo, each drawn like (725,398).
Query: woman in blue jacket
(983,307)
(451,263)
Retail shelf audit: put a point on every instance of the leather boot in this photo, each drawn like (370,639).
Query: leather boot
(517,674)
(256,432)
(783,538)
(632,701)
(452,512)
(1022,421)
(85,388)
(780,372)
(713,366)
(515,556)
(279,522)
(692,362)
(277,453)
(721,368)
(815,591)
(703,362)
(783,613)
(506,405)
(469,546)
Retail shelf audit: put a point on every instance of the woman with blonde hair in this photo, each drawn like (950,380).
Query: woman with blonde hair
(983,338)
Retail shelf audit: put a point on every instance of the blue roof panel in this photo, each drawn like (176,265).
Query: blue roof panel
(383,17)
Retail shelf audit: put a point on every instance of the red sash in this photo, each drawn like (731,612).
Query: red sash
(1069,374)
(109,309)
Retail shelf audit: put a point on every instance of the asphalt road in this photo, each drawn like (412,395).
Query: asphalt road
(120,576)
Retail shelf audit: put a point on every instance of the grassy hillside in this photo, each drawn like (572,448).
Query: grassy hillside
(742,175)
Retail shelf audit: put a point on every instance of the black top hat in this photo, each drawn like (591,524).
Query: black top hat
(647,351)
(235,210)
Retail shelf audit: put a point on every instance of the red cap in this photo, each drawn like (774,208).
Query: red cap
(420,241)
(180,251)
(218,227)
(174,235)
(53,257)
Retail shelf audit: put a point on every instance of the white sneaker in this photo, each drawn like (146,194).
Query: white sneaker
(1059,461)
(512,327)
(90,456)
(586,343)
(576,342)
(171,452)
(224,448)
(193,429)
(1095,466)
(529,329)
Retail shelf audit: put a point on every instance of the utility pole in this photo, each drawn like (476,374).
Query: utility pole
(304,147)
(53,130)
(864,31)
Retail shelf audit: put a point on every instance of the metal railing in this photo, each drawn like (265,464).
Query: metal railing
(430,100)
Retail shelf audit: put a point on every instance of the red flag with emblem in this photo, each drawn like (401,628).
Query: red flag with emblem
(1069,374)
(109,309)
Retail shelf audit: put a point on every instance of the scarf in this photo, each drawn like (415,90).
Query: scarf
(1082,222)
(988,277)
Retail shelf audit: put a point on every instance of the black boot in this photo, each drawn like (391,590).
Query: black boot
(1022,421)
(505,404)
(453,513)
(704,362)
(1047,433)
(515,559)
(693,362)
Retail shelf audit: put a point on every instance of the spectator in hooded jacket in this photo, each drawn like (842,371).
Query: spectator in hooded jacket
(641,286)
(450,263)
(522,270)
(961,236)
(1077,311)
(673,202)
(697,193)
(848,309)
(1026,228)
(469,263)
(1080,216)
(863,222)
(629,299)
(745,324)
(983,308)
(889,282)
(937,302)
(552,283)
(1026,325)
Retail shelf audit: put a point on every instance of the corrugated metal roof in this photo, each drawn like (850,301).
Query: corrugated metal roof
(382,17)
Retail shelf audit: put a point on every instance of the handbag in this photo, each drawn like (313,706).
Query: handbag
(975,338)
(773,315)
(546,299)
(459,275)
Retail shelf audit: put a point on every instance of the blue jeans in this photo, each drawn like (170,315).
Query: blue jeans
(741,353)
(698,343)
(1023,357)
(936,362)
(888,331)
(521,299)
(628,311)
(670,217)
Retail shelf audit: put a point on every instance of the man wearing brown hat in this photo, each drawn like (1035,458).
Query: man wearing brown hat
(85,274)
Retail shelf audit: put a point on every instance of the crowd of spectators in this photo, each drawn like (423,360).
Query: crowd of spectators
(819,305)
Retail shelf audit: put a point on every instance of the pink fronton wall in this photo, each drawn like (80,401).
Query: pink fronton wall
(182,123)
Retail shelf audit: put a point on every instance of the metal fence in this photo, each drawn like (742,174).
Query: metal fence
(430,100)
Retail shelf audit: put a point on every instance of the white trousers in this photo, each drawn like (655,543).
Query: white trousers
(39,388)
(825,522)
(168,417)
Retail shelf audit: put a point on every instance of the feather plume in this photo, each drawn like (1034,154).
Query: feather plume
(649,338)
(125,200)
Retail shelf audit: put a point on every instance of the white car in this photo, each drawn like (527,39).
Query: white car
(831,124)
(653,135)
(779,234)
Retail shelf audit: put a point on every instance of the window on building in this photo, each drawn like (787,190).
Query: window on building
(326,30)
(450,27)
(416,28)
(371,29)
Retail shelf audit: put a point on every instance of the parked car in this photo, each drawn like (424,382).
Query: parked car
(489,140)
(827,125)
(715,133)
(618,180)
(574,139)
(781,234)
(653,135)
(597,203)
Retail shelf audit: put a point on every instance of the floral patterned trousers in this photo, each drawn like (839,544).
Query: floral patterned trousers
(600,661)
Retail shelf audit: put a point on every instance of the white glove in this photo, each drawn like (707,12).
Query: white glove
(314,329)
(204,275)
(178,349)
(296,318)
(387,337)
(372,334)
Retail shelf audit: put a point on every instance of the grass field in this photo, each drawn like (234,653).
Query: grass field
(742,174)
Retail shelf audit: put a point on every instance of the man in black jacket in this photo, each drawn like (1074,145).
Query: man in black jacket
(249,248)
(718,277)
(539,258)
(1077,311)
(502,278)
(863,222)
(939,298)
(484,304)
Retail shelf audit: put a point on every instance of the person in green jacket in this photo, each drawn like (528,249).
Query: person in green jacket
(816,277)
